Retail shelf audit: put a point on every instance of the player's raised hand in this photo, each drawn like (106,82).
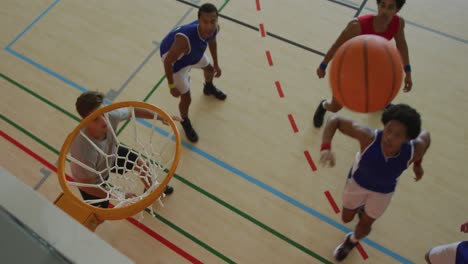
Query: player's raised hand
(327,158)
(408,83)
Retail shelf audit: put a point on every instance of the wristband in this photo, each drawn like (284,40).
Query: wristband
(325,146)
(172,86)
(323,66)
(407,68)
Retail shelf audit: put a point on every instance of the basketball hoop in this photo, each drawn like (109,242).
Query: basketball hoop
(158,155)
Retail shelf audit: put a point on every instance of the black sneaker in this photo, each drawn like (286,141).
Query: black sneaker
(210,89)
(168,190)
(342,251)
(189,131)
(319,115)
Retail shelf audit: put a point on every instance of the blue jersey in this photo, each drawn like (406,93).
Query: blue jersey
(462,253)
(197,45)
(376,172)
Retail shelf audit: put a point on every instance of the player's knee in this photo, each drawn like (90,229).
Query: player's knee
(347,215)
(335,107)
(346,218)
(186,97)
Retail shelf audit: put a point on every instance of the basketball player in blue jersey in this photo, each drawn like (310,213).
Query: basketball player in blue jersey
(183,49)
(383,156)
(455,253)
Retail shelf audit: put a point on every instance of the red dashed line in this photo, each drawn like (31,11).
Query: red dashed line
(293,123)
(295,129)
(362,251)
(332,202)
(309,159)
(145,229)
(280,90)
(270,61)
(262,30)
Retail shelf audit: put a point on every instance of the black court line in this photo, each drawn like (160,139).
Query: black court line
(257,29)
(344,4)
(432,30)
(358,12)
(295,44)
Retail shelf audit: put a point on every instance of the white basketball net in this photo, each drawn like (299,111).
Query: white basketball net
(126,179)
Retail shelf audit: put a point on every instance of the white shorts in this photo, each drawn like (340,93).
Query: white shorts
(444,254)
(182,77)
(355,196)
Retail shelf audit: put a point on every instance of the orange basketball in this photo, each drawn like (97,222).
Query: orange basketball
(366,73)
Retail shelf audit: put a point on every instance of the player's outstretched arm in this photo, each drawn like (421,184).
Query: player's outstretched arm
(364,134)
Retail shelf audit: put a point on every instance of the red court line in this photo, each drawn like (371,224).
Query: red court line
(280,90)
(28,151)
(332,202)
(270,61)
(362,251)
(141,226)
(258,5)
(293,123)
(309,159)
(262,30)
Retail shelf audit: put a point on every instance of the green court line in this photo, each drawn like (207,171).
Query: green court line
(154,88)
(144,100)
(164,76)
(29,134)
(223,5)
(253,220)
(38,96)
(160,218)
(189,236)
(181,179)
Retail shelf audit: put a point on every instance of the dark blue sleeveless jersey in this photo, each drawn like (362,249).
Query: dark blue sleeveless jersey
(375,172)
(197,45)
(462,253)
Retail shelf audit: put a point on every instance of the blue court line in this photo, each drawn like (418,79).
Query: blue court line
(435,31)
(112,94)
(45,69)
(232,169)
(211,158)
(45,175)
(32,24)
(279,194)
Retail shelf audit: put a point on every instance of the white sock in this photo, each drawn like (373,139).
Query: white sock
(353,239)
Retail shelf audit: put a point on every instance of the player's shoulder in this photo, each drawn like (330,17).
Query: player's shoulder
(119,114)
(401,20)
(354,22)
(354,26)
